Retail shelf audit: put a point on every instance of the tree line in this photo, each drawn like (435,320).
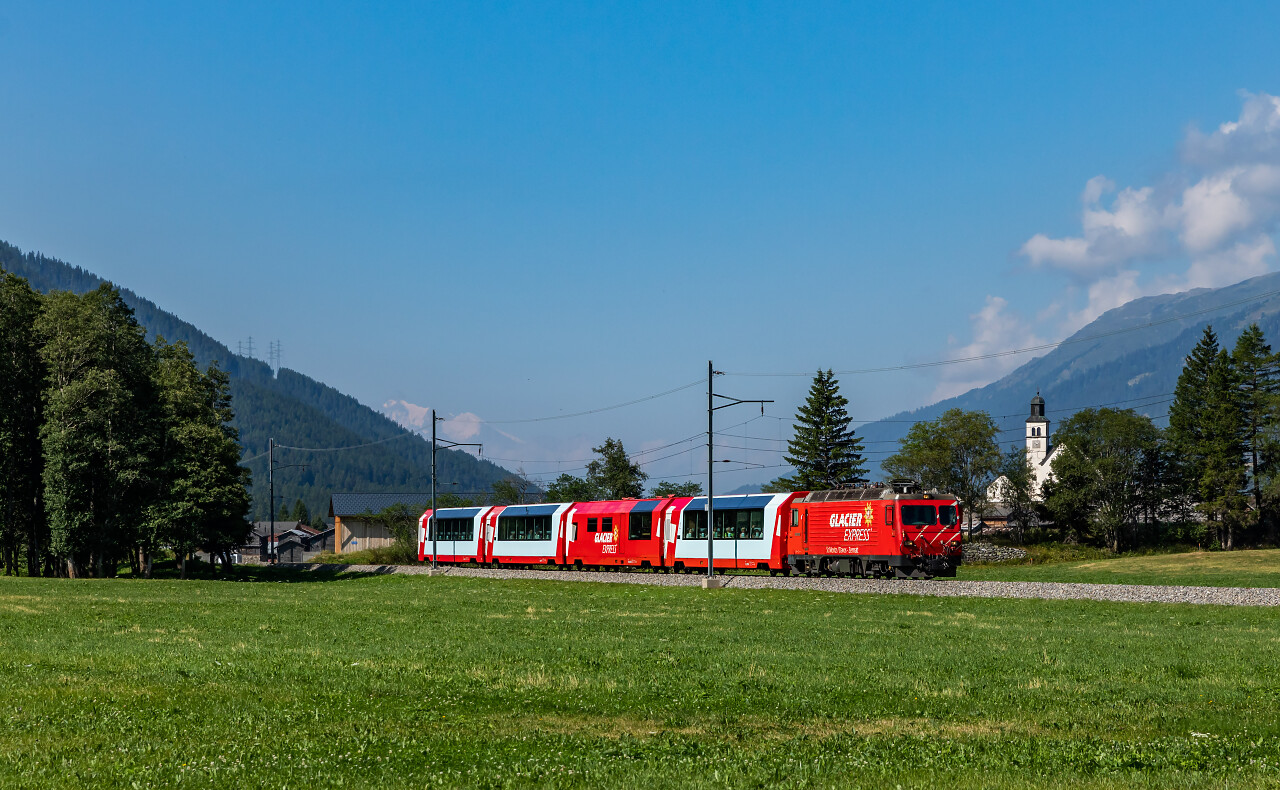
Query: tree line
(113,449)
(1211,477)
(1118,481)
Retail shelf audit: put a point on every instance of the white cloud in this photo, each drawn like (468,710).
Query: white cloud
(459,427)
(1243,260)
(1214,216)
(994,328)
(1103,295)
(1253,137)
(1212,212)
(1219,224)
(1132,227)
(1234,192)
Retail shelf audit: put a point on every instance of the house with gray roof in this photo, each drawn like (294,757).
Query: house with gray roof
(353,532)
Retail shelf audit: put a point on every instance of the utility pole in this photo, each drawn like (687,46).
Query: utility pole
(273,355)
(431,522)
(271,495)
(711,582)
(272,555)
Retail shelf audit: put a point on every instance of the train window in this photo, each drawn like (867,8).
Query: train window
(524,528)
(751,524)
(947,515)
(746,524)
(795,517)
(888,515)
(725,524)
(606,524)
(591,525)
(695,525)
(462,528)
(453,529)
(919,515)
(639,527)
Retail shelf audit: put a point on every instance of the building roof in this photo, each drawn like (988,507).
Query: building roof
(261,528)
(354,504)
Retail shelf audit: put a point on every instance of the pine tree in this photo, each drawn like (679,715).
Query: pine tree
(300,513)
(1186,415)
(1258,373)
(825,451)
(1223,473)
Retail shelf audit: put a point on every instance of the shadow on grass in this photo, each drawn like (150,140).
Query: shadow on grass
(289,574)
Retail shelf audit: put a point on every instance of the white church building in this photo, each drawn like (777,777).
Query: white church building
(1040,456)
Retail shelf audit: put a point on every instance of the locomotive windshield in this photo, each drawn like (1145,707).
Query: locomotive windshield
(947,515)
(919,515)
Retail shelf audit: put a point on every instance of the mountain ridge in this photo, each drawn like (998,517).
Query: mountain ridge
(289,406)
(1128,357)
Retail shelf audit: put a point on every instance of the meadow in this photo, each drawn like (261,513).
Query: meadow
(289,680)
(1249,568)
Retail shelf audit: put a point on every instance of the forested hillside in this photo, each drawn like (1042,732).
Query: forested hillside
(295,409)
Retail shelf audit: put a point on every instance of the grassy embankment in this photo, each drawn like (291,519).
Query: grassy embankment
(413,681)
(1255,568)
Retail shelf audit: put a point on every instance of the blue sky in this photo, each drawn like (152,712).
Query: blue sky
(517,210)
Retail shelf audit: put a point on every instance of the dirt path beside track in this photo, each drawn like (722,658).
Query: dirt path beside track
(1131,593)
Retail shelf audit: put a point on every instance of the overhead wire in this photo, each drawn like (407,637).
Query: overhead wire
(655,396)
(909,366)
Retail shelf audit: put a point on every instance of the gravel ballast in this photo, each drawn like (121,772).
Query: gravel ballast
(1131,593)
(989,552)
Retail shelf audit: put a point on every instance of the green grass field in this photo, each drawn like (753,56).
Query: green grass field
(1255,568)
(398,681)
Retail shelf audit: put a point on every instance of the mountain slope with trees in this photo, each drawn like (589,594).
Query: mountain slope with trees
(291,407)
(1130,357)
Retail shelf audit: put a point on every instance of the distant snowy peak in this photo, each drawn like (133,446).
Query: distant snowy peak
(409,415)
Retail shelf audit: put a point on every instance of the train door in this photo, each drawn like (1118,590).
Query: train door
(794,543)
(567,534)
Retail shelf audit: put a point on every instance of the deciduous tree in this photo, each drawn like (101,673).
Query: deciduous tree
(203,497)
(956,453)
(512,490)
(614,474)
(667,488)
(22,519)
(568,488)
(1099,481)
(99,434)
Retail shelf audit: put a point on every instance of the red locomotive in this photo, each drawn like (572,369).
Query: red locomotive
(882,531)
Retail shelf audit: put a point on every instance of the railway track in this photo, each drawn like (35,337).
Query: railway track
(1129,593)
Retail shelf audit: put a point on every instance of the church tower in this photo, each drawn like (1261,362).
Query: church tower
(1037,433)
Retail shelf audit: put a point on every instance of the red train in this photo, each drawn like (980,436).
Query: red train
(882,531)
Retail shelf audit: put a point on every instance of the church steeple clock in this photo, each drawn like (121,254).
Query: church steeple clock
(1037,432)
